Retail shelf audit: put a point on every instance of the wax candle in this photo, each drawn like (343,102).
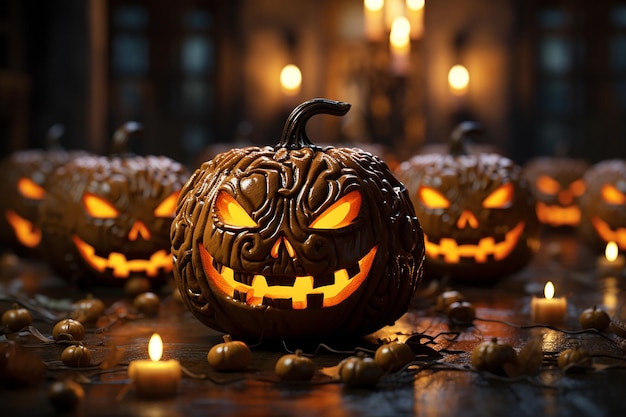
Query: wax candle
(373,19)
(400,45)
(612,263)
(548,310)
(154,377)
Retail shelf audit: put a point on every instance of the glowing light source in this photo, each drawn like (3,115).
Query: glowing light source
(290,79)
(548,290)
(611,251)
(458,79)
(155,347)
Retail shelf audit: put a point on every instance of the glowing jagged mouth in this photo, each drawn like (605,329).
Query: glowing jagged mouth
(159,261)
(253,289)
(607,234)
(452,252)
(25,231)
(557,215)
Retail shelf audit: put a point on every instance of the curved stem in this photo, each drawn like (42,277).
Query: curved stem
(123,134)
(294,133)
(460,133)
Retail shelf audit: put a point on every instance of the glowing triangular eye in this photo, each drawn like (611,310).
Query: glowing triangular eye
(29,189)
(612,195)
(432,198)
(230,212)
(341,214)
(98,207)
(501,197)
(577,187)
(167,207)
(548,185)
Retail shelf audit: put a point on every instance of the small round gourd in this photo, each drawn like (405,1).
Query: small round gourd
(88,309)
(294,367)
(574,357)
(16,318)
(230,355)
(360,371)
(76,356)
(65,395)
(461,312)
(594,318)
(393,356)
(68,329)
(491,356)
(147,303)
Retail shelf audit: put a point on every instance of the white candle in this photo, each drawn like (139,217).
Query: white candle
(548,310)
(612,263)
(373,19)
(415,12)
(400,45)
(154,377)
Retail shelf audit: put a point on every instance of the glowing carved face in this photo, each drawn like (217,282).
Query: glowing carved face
(604,204)
(557,184)
(474,210)
(294,243)
(109,218)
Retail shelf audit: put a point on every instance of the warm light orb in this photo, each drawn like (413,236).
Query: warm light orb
(548,290)
(458,79)
(374,5)
(611,251)
(290,79)
(414,4)
(399,36)
(155,347)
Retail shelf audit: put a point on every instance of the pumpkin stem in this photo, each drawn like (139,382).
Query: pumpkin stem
(460,134)
(122,136)
(294,133)
(227,338)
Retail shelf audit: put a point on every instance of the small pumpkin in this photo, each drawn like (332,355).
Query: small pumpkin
(88,309)
(65,395)
(294,367)
(230,355)
(477,211)
(76,356)
(594,318)
(359,371)
(393,356)
(574,358)
(492,356)
(296,241)
(16,318)
(68,329)
(107,218)
(23,188)
(147,303)
(557,184)
(461,312)
(446,298)
(603,204)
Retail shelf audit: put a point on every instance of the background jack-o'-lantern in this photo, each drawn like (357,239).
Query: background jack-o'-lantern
(296,241)
(476,211)
(107,218)
(557,184)
(603,204)
(23,187)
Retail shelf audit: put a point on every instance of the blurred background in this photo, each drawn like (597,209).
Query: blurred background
(542,77)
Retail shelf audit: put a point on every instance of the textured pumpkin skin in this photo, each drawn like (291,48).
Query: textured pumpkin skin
(557,184)
(135,186)
(284,190)
(466,181)
(604,218)
(34,167)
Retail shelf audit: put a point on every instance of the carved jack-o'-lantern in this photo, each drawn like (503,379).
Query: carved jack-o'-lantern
(107,218)
(476,211)
(557,184)
(296,240)
(23,188)
(603,204)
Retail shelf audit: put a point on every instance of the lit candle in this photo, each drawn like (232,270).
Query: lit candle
(612,263)
(154,377)
(458,79)
(400,45)
(373,19)
(548,310)
(415,12)
(290,79)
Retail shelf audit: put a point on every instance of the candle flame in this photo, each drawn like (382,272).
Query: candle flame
(155,347)
(374,5)
(290,79)
(611,251)
(400,32)
(548,290)
(415,4)
(458,79)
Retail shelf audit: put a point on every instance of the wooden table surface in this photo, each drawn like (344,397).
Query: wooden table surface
(441,383)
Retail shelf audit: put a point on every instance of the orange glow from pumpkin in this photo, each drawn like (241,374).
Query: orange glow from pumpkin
(452,252)
(612,195)
(29,189)
(548,185)
(432,198)
(98,207)
(167,207)
(341,214)
(122,267)
(138,229)
(334,294)
(467,218)
(25,231)
(577,187)
(290,250)
(501,197)
(607,234)
(230,212)
(557,215)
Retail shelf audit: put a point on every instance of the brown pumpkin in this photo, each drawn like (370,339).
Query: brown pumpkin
(16,318)
(557,183)
(493,356)
(107,218)
(296,240)
(603,204)
(294,367)
(393,356)
(359,371)
(594,318)
(476,211)
(230,355)
(76,356)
